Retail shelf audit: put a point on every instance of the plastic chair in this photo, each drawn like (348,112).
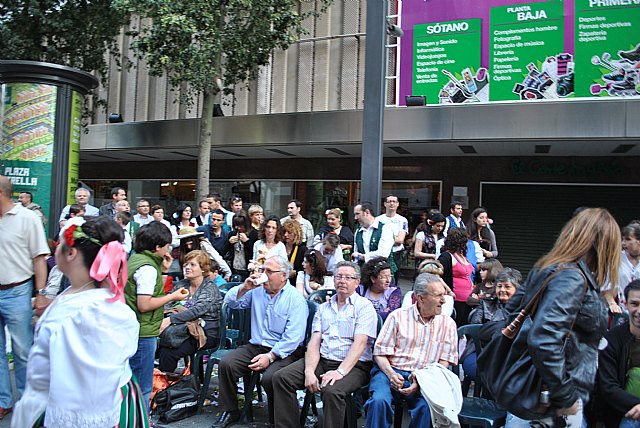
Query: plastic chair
(228,285)
(321,296)
(478,411)
(235,330)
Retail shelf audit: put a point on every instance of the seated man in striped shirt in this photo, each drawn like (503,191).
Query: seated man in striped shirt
(410,339)
(338,359)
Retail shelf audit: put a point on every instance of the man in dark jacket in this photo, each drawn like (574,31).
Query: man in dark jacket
(617,364)
(216,234)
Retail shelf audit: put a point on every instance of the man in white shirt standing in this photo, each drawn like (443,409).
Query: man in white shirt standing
(454,219)
(293,208)
(82,198)
(143,216)
(373,238)
(400,227)
(203,208)
(235,204)
(22,268)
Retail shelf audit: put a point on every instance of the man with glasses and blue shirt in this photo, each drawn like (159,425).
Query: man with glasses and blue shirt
(339,354)
(278,325)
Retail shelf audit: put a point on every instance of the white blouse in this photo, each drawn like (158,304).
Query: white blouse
(277,250)
(303,279)
(78,362)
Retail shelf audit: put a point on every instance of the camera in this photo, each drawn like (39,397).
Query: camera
(565,85)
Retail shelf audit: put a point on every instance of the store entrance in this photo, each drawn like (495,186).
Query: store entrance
(528,217)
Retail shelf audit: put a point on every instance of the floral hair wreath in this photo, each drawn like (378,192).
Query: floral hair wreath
(72,231)
(111,260)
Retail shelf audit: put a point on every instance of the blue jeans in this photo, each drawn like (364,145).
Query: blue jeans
(16,314)
(629,423)
(470,366)
(378,406)
(142,365)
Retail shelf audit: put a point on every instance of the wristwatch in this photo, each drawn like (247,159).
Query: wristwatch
(42,292)
(271,359)
(341,371)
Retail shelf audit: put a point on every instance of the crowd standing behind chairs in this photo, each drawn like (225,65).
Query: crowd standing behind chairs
(341,358)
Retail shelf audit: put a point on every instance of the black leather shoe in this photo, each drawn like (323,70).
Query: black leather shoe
(226,419)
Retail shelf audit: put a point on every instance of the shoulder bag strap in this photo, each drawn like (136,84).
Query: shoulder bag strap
(294,253)
(513,328)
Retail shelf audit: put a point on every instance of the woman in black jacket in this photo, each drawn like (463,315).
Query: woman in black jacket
(563,342)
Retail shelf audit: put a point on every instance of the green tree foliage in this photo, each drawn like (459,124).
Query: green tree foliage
(75,33)
(197,41)
(200,42)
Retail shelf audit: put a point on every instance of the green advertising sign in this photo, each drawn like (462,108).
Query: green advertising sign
(607,48)
(446,58)
(74,147)
(527,55)
(28,113)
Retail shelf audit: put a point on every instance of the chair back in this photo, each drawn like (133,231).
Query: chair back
(228,285)
(472,331)
(321,296)
(380,323)
(313,307)
(235,327)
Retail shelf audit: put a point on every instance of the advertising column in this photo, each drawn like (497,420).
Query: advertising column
(447,62)
(607,48)
(40,115)
(527,58)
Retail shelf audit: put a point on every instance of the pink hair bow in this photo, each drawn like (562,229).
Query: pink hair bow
(111,261)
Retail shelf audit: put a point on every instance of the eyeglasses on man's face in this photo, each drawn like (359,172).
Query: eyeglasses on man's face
(268,271)
(344,278)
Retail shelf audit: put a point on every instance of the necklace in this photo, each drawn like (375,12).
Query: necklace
(82,287)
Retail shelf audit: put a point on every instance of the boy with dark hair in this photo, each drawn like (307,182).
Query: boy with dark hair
(144,293)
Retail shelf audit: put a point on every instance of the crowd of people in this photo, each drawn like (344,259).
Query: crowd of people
(135,292)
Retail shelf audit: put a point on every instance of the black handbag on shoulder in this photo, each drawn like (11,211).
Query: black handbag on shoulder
(506,368)
(178,401)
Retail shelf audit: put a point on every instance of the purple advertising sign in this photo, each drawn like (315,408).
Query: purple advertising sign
(458,51)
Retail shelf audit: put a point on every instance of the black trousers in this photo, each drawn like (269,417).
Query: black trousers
(290,379)
(169,356)
(235,365)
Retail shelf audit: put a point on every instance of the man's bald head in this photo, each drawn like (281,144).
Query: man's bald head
(5,186)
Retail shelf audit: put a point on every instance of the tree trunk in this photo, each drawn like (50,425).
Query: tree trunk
(204,145)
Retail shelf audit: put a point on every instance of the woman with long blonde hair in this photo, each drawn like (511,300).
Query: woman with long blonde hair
(571,318)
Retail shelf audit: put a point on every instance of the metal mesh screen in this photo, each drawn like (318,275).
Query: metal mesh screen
(278,81)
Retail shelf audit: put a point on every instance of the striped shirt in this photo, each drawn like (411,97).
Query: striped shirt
(410,342)
(339,327)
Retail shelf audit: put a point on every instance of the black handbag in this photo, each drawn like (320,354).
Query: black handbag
(174,335)
(178,401)
(506,368)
